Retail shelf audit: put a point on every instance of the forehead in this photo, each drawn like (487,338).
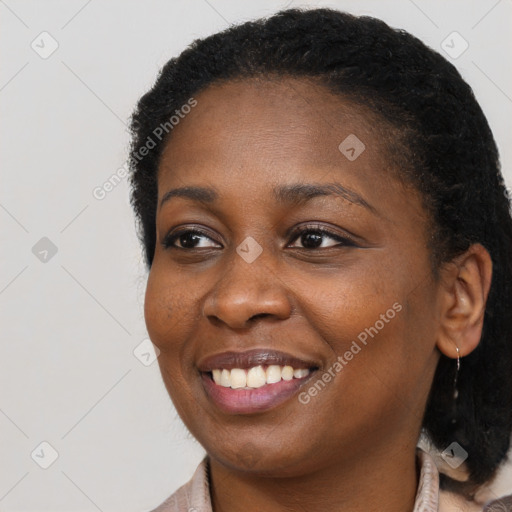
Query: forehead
(283,125)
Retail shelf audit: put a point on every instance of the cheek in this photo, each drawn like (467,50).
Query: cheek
(352,306)
(379,329)
(168,313)
(165,307)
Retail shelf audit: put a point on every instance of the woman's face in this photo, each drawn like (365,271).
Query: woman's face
(354,307)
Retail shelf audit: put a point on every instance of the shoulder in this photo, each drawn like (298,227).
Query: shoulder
(194,496)
(449,502)
(431,497)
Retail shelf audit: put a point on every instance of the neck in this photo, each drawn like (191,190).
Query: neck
(385,481)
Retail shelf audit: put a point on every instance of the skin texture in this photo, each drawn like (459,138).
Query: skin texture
(352,447)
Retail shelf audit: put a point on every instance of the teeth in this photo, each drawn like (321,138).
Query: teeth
(273,374)
(256,376)
(238,378)
(225,378)
(287,373)
(217,376)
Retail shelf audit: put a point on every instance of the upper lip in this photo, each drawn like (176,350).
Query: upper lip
(250,358)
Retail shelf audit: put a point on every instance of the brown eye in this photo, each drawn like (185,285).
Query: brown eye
(312,237)
(187,238)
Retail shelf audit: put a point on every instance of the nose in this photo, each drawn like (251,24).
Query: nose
(245,292)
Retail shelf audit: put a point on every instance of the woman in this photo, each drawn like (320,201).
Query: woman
(329,241)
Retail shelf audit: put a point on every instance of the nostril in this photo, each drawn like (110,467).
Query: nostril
(259,315)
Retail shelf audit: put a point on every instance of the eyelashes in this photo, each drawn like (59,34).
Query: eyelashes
(170,239)
(188,237)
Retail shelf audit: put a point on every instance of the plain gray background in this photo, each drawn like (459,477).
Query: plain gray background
(72,319)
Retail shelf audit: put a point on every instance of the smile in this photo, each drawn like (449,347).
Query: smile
(253,381)
(257,376)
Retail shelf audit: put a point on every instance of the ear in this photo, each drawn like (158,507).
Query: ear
(465,284)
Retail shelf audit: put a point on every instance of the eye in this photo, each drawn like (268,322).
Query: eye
(187,238)
(311,238)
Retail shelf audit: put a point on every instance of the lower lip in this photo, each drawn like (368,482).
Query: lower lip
(249,401)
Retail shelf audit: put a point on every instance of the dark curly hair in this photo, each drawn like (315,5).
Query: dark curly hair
(450,157)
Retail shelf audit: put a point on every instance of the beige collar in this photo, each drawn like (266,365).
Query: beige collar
(194,496)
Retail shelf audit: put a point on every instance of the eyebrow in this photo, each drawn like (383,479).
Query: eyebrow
(293,195)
